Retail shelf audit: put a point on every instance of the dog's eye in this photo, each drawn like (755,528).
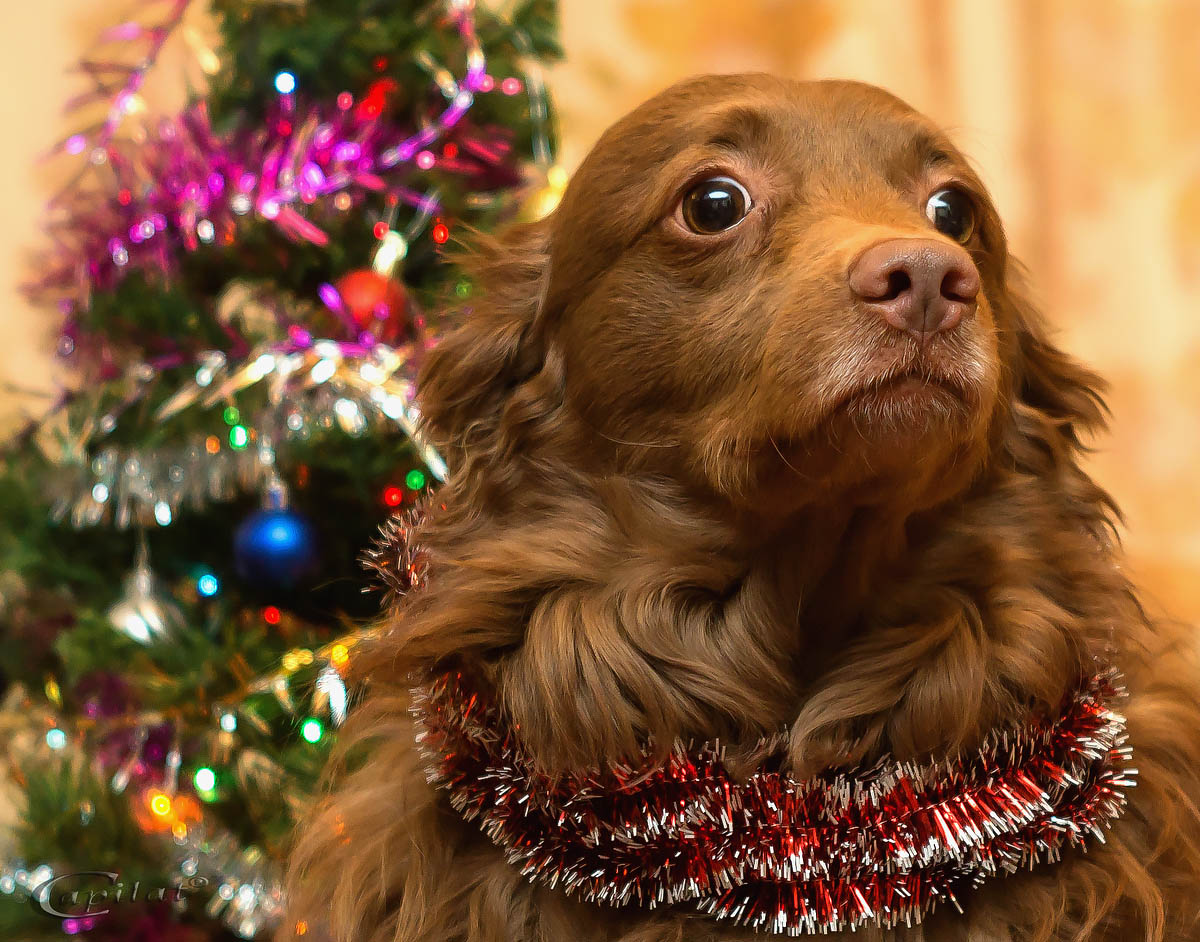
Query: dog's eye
(715,205)
(952,213)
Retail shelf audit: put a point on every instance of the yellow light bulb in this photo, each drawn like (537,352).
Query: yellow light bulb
(160,804)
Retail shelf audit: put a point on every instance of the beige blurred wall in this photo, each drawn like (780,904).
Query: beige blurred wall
(1083,116)
(36,43)
(41,44)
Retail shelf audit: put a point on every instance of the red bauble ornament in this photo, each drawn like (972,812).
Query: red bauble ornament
(377,303)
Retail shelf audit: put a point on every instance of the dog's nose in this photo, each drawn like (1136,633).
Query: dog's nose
(921,286)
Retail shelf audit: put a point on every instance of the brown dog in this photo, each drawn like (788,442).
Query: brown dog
(757,432)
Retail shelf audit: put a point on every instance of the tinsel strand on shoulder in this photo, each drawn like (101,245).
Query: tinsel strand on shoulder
(394,558)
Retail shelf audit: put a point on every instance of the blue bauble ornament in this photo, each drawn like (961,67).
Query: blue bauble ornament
(275,548)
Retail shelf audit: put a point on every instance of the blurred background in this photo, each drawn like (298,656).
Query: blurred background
(1080,114)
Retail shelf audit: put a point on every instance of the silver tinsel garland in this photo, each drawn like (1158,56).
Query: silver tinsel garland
(323,386)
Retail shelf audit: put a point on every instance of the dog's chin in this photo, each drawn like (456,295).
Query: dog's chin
(882,432)
(906,408)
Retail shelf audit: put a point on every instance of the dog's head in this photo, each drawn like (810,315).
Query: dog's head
(772,292)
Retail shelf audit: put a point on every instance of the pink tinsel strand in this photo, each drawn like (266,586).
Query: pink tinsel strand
(186,185)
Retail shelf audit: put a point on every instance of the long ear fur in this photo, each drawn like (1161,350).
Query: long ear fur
(467,380)
(1056,402)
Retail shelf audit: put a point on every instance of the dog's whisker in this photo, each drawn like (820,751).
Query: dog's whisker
(775,445)
(620,441)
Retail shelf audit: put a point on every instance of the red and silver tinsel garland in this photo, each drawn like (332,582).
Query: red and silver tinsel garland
(881,846)
(838,851)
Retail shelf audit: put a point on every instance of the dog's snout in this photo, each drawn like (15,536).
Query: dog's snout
(921,286)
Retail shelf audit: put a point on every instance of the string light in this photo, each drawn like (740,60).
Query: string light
(208,585)
(238,436)
(285,83)
(415,479)
(339,655)
(205,779)
(440,233)
(231,415)
(271,615)
(56,738)
(311,730)
(160,804)
(330,685)
(392,249)
(393,496)
(323,370)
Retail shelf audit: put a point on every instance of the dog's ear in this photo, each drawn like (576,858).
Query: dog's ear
(469,378)
(1057,402)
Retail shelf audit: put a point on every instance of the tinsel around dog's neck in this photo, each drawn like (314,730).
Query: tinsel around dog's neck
(877,846)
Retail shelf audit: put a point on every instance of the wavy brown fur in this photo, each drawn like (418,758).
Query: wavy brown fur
(671,515)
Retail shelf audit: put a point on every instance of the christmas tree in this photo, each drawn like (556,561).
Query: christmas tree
(246,289)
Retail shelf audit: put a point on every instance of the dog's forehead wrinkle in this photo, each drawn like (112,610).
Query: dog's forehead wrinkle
(821,124)
(736,126)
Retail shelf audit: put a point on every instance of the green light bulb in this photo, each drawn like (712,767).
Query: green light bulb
(311,730)
(205,780)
